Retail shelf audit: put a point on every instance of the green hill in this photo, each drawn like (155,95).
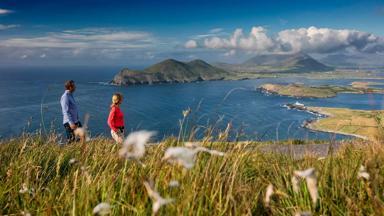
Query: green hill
(170,71)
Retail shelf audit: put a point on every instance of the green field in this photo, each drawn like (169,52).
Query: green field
(324,91)
(363,123)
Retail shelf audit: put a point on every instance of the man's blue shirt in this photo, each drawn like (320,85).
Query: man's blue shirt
(69,108)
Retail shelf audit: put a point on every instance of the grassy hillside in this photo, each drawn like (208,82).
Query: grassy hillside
(42,178)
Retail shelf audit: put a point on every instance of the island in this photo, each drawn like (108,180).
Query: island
(324,91)
(171,71)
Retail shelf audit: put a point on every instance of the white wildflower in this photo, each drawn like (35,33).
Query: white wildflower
(134,144)
(305,173)
(72,161)
(268,194)
(295,184)
(191,144)
(186,112)
(312,187)
(305,213)
(181,156)
(102,209)
(174,183)
(24,188)
(186,156)
(363,173)
(311,180)
(25,213)
(158,201)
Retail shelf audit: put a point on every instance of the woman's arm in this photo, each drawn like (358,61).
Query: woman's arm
(111,119)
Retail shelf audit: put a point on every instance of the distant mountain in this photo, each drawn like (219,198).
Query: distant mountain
(297,62)
(366,60)
(170,71)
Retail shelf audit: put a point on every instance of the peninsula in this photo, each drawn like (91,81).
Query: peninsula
(324,91)
(365,124)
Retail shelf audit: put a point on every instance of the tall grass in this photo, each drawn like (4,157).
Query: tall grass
(231,185)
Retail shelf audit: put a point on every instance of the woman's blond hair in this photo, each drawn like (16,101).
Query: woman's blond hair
(119,97)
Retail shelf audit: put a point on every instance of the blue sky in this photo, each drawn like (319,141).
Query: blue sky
(134,33)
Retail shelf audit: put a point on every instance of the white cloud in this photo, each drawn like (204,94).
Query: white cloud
(83,38)
(325,40)
(4,27)
(215,30)
(43,55)
(190,44)
(256,40)
(5,11)
(312,40)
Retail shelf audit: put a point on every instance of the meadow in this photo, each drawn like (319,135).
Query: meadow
(40,177)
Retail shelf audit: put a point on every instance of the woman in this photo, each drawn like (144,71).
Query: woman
(116,118)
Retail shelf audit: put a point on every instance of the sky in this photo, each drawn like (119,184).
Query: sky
(140,33)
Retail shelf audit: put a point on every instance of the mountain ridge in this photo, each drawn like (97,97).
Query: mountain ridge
(296,62)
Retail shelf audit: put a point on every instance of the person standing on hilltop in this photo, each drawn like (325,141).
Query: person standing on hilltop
(116,118)
(70,111)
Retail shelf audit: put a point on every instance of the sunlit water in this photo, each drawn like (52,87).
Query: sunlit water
(32,95)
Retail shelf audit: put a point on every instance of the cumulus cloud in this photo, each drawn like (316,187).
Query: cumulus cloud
(311,40)
(4,11)
(325,40)
(83,38)
(4,27)
(256,40)
(190,44)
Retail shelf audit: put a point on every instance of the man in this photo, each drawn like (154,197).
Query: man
(70,111)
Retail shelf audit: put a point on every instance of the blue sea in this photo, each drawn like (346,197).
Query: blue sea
(29,101)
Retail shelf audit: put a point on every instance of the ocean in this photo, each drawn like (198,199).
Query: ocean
(29,102)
